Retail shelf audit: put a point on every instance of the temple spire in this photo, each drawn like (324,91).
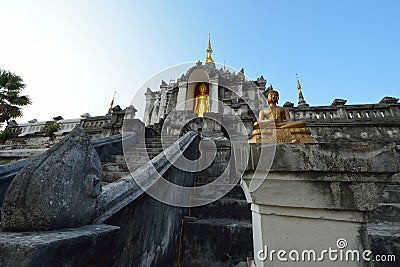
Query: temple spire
(111,104)
(209,51)
(302,102)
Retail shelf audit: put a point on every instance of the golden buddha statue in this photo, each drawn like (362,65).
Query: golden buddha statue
(274,124)
(202,102)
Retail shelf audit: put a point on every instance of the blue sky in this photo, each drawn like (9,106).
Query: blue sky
(74,54)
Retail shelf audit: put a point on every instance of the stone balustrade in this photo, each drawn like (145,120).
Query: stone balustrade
(31,128)
(96,127)
(387,108)
(67,125)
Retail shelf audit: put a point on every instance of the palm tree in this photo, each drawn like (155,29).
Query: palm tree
(11,101)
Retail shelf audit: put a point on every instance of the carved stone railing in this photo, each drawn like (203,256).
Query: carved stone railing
(31,128)
(103,146)
(66,126)
(94,125)
(388,108)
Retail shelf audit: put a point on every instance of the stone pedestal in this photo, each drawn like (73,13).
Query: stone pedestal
(315,197)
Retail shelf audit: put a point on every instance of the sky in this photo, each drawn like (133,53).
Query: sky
(73,54)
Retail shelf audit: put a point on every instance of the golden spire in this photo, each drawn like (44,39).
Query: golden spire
(302,102)
(298,83)
(209,51)
(112,101)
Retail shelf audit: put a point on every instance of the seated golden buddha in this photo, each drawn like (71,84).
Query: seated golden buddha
(274,124)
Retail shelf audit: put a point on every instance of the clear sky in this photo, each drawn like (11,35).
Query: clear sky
(74,54)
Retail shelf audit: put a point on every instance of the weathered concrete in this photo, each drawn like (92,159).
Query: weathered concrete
(84,246)
(356,131)
(315,194)
(104,147)
(56,189)
(385,240)
(216,242)
(11,155)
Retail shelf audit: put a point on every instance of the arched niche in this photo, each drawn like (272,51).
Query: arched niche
(197,77)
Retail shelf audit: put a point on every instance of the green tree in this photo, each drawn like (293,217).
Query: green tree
(11,102)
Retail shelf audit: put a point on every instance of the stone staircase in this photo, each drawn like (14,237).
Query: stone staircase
(115,166)
(221,235)
(384,225)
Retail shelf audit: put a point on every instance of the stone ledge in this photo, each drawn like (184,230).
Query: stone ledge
(326,157)
(83,246)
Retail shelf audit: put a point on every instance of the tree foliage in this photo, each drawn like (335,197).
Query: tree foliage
(11,102)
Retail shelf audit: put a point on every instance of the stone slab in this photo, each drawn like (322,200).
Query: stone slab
(83,246)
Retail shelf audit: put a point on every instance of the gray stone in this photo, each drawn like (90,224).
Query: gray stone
(56,189)
(88,245)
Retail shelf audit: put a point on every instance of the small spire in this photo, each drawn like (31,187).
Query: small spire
(298,83)
(111,104)
(209,51)
(302,102)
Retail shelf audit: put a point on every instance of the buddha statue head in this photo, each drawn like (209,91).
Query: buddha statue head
(203,89)
(272,96)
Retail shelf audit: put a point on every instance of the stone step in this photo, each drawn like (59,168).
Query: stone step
(120,159)
(386,212)
(222,242)
(110,177)
(236,191)
(211,177)
(143,156)
(391,194)
(114,167)
(138,158)
(143,150)
(385,240)
(157,145)
(223,208)
(134,166)
(114,159)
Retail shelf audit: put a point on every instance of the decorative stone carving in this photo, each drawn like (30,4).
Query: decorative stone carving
(57,189)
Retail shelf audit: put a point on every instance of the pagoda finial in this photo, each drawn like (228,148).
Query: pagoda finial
(209,51)
(298,83)
(111,104)
(302,102)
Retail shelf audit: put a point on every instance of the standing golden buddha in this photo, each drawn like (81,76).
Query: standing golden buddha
(202,101)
